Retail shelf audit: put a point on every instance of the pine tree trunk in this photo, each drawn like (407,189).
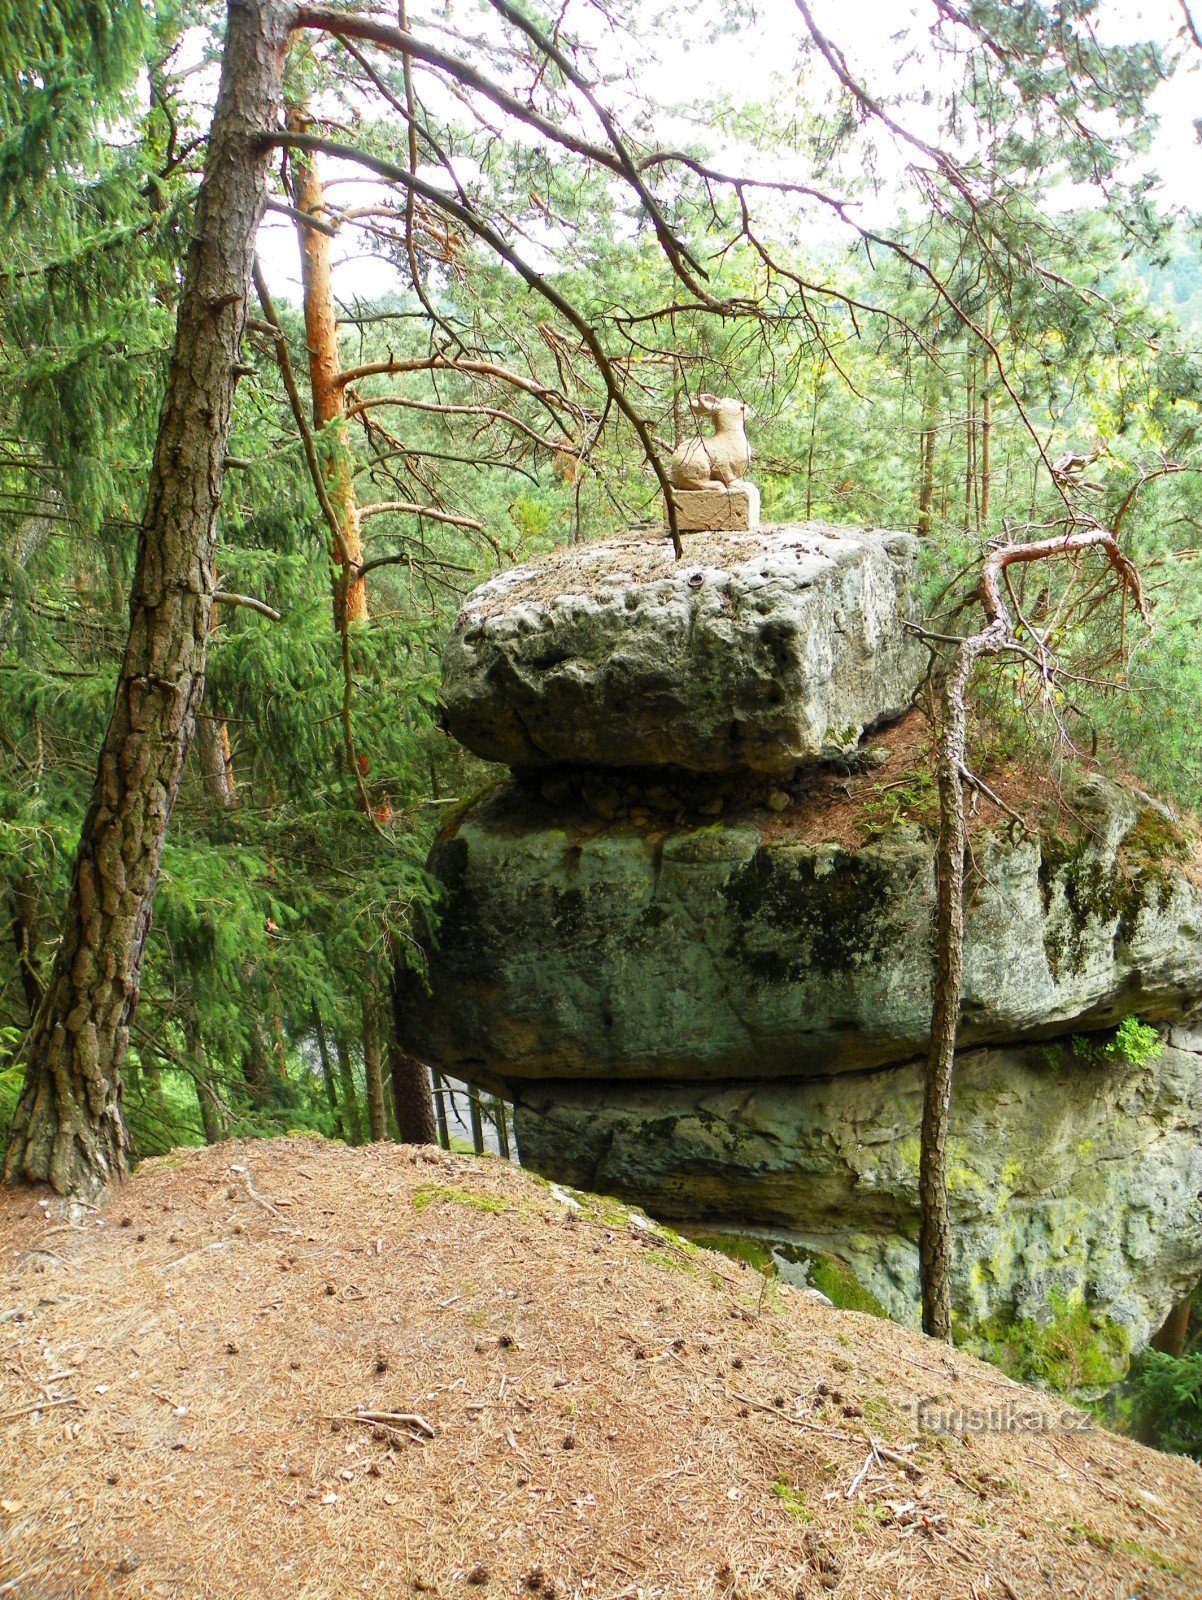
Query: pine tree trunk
(25,937)
(817,393)
(325,375)
(213,752)
(935,1229)
(970,440)
(68,1128)
(212,755)
(412,1099)
(377,1110)
(502,1128)
(935,1235)
(926,459)
(210,1114)
(476,1121)
(256,1058)
(986,441)
(212,1111)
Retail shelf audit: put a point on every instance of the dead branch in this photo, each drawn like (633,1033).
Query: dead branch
(223,597)
(935,1242)
(487,234)
(411,508)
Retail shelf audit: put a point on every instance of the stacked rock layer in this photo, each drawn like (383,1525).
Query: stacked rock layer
(691,938)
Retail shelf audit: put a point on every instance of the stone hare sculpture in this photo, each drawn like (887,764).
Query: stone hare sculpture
(724,458)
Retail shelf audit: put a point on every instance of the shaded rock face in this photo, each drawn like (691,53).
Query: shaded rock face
(709,991)
(576,949)
(1069,1180)
(759,650)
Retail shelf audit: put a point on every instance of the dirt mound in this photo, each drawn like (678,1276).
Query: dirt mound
(568,1401)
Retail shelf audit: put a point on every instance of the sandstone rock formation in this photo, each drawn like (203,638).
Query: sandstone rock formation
(691,936)
(759,651)
(743,947)
(1073,1178)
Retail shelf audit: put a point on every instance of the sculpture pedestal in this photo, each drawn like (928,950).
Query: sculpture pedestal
(718,509)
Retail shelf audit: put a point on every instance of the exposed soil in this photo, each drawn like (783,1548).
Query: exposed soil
(594,1409)
(889,781)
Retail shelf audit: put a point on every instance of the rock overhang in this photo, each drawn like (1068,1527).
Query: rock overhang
(1067,1187)
(740,948)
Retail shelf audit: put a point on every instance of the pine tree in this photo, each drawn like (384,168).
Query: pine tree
(68,1129)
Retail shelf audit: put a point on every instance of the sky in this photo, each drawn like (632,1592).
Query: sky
(743,68)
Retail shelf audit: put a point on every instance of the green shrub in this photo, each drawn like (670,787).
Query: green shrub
(1166,1401)
(1134,1042)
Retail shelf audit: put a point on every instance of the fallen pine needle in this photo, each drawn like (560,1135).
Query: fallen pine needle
(39,1405)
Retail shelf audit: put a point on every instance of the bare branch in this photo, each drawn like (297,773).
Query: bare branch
(484,230)
(305,218)
(410,508)
(935,1241)
(224,598)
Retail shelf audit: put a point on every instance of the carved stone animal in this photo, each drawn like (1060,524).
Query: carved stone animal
(724,457)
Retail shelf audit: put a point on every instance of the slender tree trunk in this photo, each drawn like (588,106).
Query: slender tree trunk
(327,1070)
(926,463)
(473,1112)
(25,937)
(412,1099)
(212,1112)
(32,533)
(986,441)
(213,753)
(68,1128)
(325,375)
(214,759)
(502,1128)
(279,1046)
(970,439)
(377,1109)
(256,1059)
(935,1235)
(818,382)
(351,1115)
(439,1095)
(210,1116)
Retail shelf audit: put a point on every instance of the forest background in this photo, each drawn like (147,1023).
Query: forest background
(968,310)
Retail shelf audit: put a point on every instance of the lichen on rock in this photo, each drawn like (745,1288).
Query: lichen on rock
(1068,1186)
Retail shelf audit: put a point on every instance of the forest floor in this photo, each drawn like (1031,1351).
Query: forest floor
(574,1403)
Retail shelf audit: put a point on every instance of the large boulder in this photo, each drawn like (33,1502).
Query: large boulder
(660,945)
(759,650)
(1074,1176)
